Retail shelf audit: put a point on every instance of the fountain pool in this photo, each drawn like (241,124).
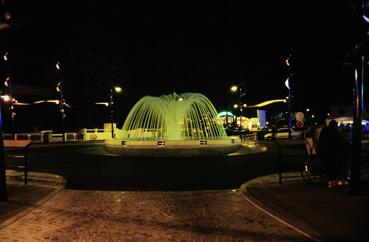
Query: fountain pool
(173,125)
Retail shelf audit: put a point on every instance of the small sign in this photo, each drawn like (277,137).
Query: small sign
(299,116)
(299,124)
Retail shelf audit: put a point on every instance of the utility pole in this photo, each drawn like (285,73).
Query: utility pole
(359,62)
(59,88)
(113,89)
(111,102)
(5,23)
(289,98)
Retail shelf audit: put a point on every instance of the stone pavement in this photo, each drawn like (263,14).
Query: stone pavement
(24,198)
(77,215)
(325,214)
(260,210)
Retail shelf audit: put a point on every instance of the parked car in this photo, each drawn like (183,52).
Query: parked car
(282,133)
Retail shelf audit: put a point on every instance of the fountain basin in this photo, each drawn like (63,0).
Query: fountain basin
(173,148)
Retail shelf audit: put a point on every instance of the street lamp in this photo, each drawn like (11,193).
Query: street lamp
(3,190)
(287,83)
(62,104)
(359,59)
(5,23)
(113,89)
(8,91)
(239,88)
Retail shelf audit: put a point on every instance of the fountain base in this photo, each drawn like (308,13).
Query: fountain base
(173,148)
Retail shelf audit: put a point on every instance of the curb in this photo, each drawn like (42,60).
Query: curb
(36,179)
(272,180)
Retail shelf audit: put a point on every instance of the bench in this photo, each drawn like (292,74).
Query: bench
(22,145)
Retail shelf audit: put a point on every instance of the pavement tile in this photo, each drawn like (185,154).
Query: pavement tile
(75,215)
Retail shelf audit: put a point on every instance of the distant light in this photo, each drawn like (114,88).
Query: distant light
(6,98)
(5,57)
(307,110)
(235,106)
(6,83)
(288,63)
(225,113)
(328,114)
(53,101)
(234,88)
(313,116)
(102,103)
(234,190)
(180,99)
(287,83)
(244,105)
(58,87)
(118,89)
(57,66)
(365,9)
(366,19)
(265,103)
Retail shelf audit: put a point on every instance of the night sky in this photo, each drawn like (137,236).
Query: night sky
(154,48)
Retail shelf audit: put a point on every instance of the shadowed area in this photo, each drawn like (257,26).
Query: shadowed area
(89,167)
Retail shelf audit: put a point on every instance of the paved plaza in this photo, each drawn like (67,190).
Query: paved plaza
(221,215)
(81,194)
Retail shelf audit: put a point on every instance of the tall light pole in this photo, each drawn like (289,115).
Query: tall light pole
(113,89)
(239,88)
(9,92)
(3,190)
(358,55)
(287,83)
(5,23)
(62,104)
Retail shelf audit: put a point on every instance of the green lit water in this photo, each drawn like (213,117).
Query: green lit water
(188,116)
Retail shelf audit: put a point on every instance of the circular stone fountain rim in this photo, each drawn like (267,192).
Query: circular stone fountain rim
(171,148)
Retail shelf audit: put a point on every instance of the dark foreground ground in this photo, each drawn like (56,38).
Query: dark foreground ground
(123,199)
(89,167)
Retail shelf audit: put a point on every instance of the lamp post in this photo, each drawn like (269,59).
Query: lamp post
(113,89)
(59,89)
(358,55)
(287,83)
(239,88)
(3,190)
(9,93)
(5,23)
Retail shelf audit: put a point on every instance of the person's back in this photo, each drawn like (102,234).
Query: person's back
(330,141)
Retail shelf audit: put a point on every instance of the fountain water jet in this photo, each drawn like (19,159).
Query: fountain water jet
(185,125)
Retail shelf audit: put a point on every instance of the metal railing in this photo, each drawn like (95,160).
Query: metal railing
(49,137)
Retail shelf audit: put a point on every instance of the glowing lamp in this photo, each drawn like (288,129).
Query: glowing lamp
(6,98)
(287,83)
(5,57)
(365,6)
(234,88)
(118,89)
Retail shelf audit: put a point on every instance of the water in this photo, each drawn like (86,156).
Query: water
(187,116)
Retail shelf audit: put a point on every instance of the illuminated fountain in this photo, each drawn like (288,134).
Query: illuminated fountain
(173,125)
